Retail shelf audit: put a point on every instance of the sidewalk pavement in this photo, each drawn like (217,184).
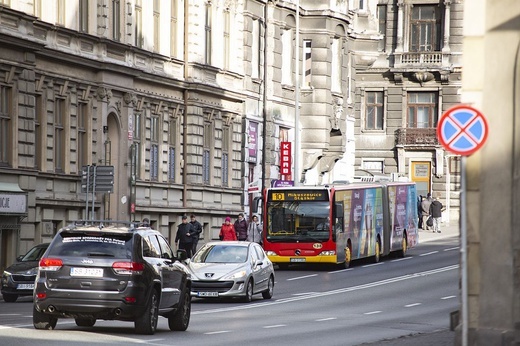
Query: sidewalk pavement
(448,229)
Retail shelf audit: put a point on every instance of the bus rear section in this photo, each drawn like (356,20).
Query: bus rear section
(376,220)
(297,226)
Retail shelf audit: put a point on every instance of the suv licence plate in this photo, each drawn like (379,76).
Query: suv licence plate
(90,272)
(207,294)
(25,287)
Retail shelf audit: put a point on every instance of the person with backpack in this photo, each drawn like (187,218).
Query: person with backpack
(436,214)
(183,238)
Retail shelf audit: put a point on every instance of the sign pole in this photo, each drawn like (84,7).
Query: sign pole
(463,252)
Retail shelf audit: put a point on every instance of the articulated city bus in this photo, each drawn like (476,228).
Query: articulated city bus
(339,224)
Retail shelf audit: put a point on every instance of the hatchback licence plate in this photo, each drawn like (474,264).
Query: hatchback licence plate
(25,286)
(89,272)
(207,294)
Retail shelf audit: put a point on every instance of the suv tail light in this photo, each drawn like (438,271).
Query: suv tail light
(128,268)
(50,264)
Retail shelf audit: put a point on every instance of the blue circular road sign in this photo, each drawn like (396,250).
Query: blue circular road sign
(462,130)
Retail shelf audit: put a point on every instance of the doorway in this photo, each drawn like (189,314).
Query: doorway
(421,175)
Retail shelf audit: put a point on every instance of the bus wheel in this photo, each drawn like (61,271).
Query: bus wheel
(404,246)
(348,258)
(377,255)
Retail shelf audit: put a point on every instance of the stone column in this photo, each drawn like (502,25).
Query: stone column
(446,38)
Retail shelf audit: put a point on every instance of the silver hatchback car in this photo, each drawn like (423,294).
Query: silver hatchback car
(231,269)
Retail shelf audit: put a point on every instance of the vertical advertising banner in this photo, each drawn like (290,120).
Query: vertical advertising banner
(252,133)
(285,160)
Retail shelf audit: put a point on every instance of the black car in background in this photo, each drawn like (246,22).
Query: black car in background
(114,271)
(18,279)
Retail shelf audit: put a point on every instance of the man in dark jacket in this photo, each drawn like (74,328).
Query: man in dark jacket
(183,237)
(241,227)
(195,233)
(436,213)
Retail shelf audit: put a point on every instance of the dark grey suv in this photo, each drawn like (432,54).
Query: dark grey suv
(112,272)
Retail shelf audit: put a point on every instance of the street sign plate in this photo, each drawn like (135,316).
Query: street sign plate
(462,130)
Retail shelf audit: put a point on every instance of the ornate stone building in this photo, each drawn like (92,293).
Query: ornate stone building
(190,102)
(414,76)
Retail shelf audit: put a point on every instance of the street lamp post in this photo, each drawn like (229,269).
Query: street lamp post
(297,140)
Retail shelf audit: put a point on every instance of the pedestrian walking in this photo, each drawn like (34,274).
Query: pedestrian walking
(436,213)
(425,210)
(227,231)
(254,230)
(241,227)
(183,239)
(419,210)
(196,231)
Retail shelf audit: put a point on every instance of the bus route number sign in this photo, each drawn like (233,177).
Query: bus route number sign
(299,196)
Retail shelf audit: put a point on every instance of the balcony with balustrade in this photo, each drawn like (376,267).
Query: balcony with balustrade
(417,138)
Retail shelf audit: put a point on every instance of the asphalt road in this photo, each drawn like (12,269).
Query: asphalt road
(396,302)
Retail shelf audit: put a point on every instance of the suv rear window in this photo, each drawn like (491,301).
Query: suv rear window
(92,245)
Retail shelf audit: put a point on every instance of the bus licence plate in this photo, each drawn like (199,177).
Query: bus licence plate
(297,259)
(207,294)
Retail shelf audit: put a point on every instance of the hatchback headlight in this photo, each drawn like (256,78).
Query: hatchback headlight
(236,275)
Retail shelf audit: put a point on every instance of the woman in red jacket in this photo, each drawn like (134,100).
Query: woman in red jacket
(227,231)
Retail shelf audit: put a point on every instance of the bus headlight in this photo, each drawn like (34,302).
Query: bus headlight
(271,253)
(328,253)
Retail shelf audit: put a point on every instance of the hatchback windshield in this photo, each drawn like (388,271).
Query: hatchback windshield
(93,245)
(221,254)
(34,254)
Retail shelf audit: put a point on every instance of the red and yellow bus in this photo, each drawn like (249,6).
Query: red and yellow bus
(339,224)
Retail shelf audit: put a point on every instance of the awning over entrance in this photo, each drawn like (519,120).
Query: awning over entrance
(13,200)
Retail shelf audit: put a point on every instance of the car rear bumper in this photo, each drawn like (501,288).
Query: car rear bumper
(91,308)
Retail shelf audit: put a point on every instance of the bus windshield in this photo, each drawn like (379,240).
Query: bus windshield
(298,221)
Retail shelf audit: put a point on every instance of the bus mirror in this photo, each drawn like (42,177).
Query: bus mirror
(256,202)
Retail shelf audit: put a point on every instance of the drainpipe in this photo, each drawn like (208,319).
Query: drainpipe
(264,101)
(185,114)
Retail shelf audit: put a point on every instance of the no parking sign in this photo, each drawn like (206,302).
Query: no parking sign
(462,130)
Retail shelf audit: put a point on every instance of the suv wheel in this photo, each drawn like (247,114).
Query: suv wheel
(43,321)
(9,298)
(85,322)
(181,319)
(147,323)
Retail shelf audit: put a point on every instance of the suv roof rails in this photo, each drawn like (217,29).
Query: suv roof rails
(103,223)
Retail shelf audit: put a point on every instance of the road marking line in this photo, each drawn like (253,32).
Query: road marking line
(412,305)
(303,294)
(401,259)
(372,312)
(429,253)
(332,292)
(218,332)
(448,297)
(340,271)
(302,277)
(326,319)
(452,248)
(275,326)
(373,264)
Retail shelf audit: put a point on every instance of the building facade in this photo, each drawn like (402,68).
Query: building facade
(490,83)
(414,78)
(193,105)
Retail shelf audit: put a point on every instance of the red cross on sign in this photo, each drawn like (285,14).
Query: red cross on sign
(462,130)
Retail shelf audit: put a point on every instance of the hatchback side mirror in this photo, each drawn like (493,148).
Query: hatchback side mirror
(182,255)
(19,258)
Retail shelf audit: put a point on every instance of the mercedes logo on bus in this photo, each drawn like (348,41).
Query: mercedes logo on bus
(297,252)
